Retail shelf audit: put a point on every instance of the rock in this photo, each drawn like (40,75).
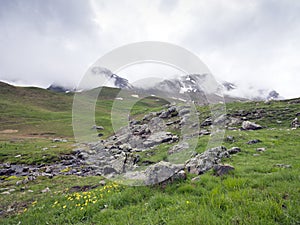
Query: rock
(59,140)
(229,139)
(234,150)
(183,112)
(46,190)
(5,193)
(178,148)
(156,124)
(95,127)
(206,122)
(283,166)
(109,170)
(83,155)
(206,160)
(220,170)
(158,138)
(160,172)
(295,123)
(261,149)
(247,125)
(255,141)
(164,114)
(256,154)
(102,182)
(195,178)
(204,132)
(6,172)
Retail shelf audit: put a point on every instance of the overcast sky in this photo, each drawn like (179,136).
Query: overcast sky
(250,41)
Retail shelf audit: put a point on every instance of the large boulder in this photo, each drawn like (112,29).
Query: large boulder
(247,125)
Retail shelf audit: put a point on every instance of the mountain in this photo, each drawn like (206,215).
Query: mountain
(111,79)
(186,87)
(60,89)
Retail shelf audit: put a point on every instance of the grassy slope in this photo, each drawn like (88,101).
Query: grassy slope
(257,192)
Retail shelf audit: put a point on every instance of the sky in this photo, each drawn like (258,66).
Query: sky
(249,42)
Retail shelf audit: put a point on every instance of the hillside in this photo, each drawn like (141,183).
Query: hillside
(41,170)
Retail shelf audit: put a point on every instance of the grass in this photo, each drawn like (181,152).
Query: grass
(256,192)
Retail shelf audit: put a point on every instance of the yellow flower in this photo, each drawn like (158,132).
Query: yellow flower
(25,209)
(187,202)
(33,203)
(64,206)
(81,208)
(55,202)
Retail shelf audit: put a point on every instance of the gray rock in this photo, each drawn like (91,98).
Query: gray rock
(206,122)
(178,148)
(220,170)
(247,125)
(183,112)
(160,172)
(255,141)
(158,138)
(229,139)
(261,149)
(295,123)
(206,160)
(234,150)
(95,127)
(283,166)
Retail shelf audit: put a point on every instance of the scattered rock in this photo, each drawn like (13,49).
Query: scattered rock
(220,170)
(255,141)
(95,127)
(247,125)
(59,140)
(261,149)
(234,150)
(5,193)
(256,154)
(46,190)
(283,166)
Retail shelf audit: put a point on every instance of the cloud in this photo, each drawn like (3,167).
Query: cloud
(248,42)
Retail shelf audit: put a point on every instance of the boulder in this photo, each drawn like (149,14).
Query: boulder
(206,160)
(160,172)
(220,170)
(247,125)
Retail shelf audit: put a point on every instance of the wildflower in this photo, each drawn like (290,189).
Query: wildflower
(81,208)
(25,209)
(187,202)
(64,206)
